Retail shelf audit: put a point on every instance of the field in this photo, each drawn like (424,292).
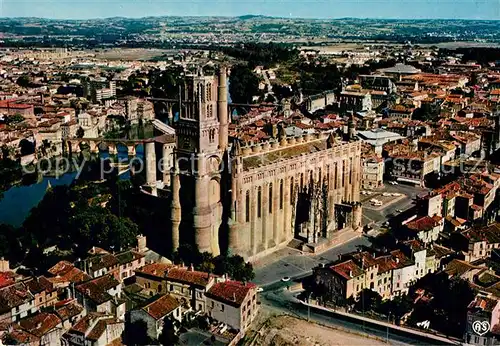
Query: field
(287,330)
(129,54)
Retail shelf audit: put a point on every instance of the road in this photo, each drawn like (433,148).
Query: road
(297,265)
(278,300)
(379,215)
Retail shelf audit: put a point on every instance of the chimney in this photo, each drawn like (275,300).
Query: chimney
(350,273)
(397,259)
(87,291)
(191,268)
(234,296)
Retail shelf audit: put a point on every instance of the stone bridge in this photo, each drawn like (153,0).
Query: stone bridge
(74,145)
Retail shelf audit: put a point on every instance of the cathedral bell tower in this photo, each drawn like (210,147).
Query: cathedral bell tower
(202,137)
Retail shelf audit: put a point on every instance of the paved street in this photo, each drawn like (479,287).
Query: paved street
(297,265)
(379,215)
(279,301)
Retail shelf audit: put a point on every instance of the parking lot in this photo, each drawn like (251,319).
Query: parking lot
(394,199)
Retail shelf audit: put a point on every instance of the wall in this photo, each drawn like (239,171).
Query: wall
(273,230)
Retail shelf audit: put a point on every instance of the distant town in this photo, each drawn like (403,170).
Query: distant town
(249,181)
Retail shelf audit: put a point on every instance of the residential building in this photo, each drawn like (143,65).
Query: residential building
(153,314)
(95,329)
(233,303)
(102,295)
(46,327)
(483,309)
(16,302)
(403,275)
(43,291)
(373,173)
(425,228)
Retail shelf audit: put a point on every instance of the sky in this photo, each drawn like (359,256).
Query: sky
(84,9)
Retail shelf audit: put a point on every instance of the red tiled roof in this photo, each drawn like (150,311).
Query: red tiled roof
(156,269)
(97,289)
(40,324)
(230,292)
(162,306)
(425,223)
(188,276)
(344,269)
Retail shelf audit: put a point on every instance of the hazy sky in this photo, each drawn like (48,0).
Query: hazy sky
(473,9)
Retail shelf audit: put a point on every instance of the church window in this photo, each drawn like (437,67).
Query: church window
(328,174)
(344,169)
(301,181)
(270,198)
(336,176)
(212,135)
(281,194)
(247,205)
(259,202)
(319,175)
(291,189)
(209,92)
(350,171)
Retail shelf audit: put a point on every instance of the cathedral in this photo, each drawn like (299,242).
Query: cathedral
(254,198)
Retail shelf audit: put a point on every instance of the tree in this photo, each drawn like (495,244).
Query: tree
(24,81)
(188,255)
(243,85)
(14,119)
(397,307)
(168,336)
(368,300)
(235,267)
(80,133)
(136,334)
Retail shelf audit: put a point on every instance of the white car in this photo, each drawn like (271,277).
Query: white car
(285,279)
(368,192)
(386,194)
(395,194)
(260,289)
(363,192)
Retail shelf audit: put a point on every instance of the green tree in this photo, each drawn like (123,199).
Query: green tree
(14,119)
(244,84)
(168,336)
(24,81)
(235,267)
(136,334)
(368,300)
(80,133)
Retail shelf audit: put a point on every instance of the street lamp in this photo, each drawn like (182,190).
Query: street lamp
(388,321)
(309,306)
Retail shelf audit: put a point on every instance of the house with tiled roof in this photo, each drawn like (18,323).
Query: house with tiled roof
(189,286)
(102,295)
(44,291)
(69,312)
(129,261)
(233,303)
(95,329)
(63,273)
(403,274)
(16,302)
(425,228)
(343,280)
(478,243)
(153,314)
(46,327)
(487,309)
(152,277)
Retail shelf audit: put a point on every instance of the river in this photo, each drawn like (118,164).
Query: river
(18,201)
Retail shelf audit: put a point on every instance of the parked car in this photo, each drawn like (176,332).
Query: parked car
(285,279)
